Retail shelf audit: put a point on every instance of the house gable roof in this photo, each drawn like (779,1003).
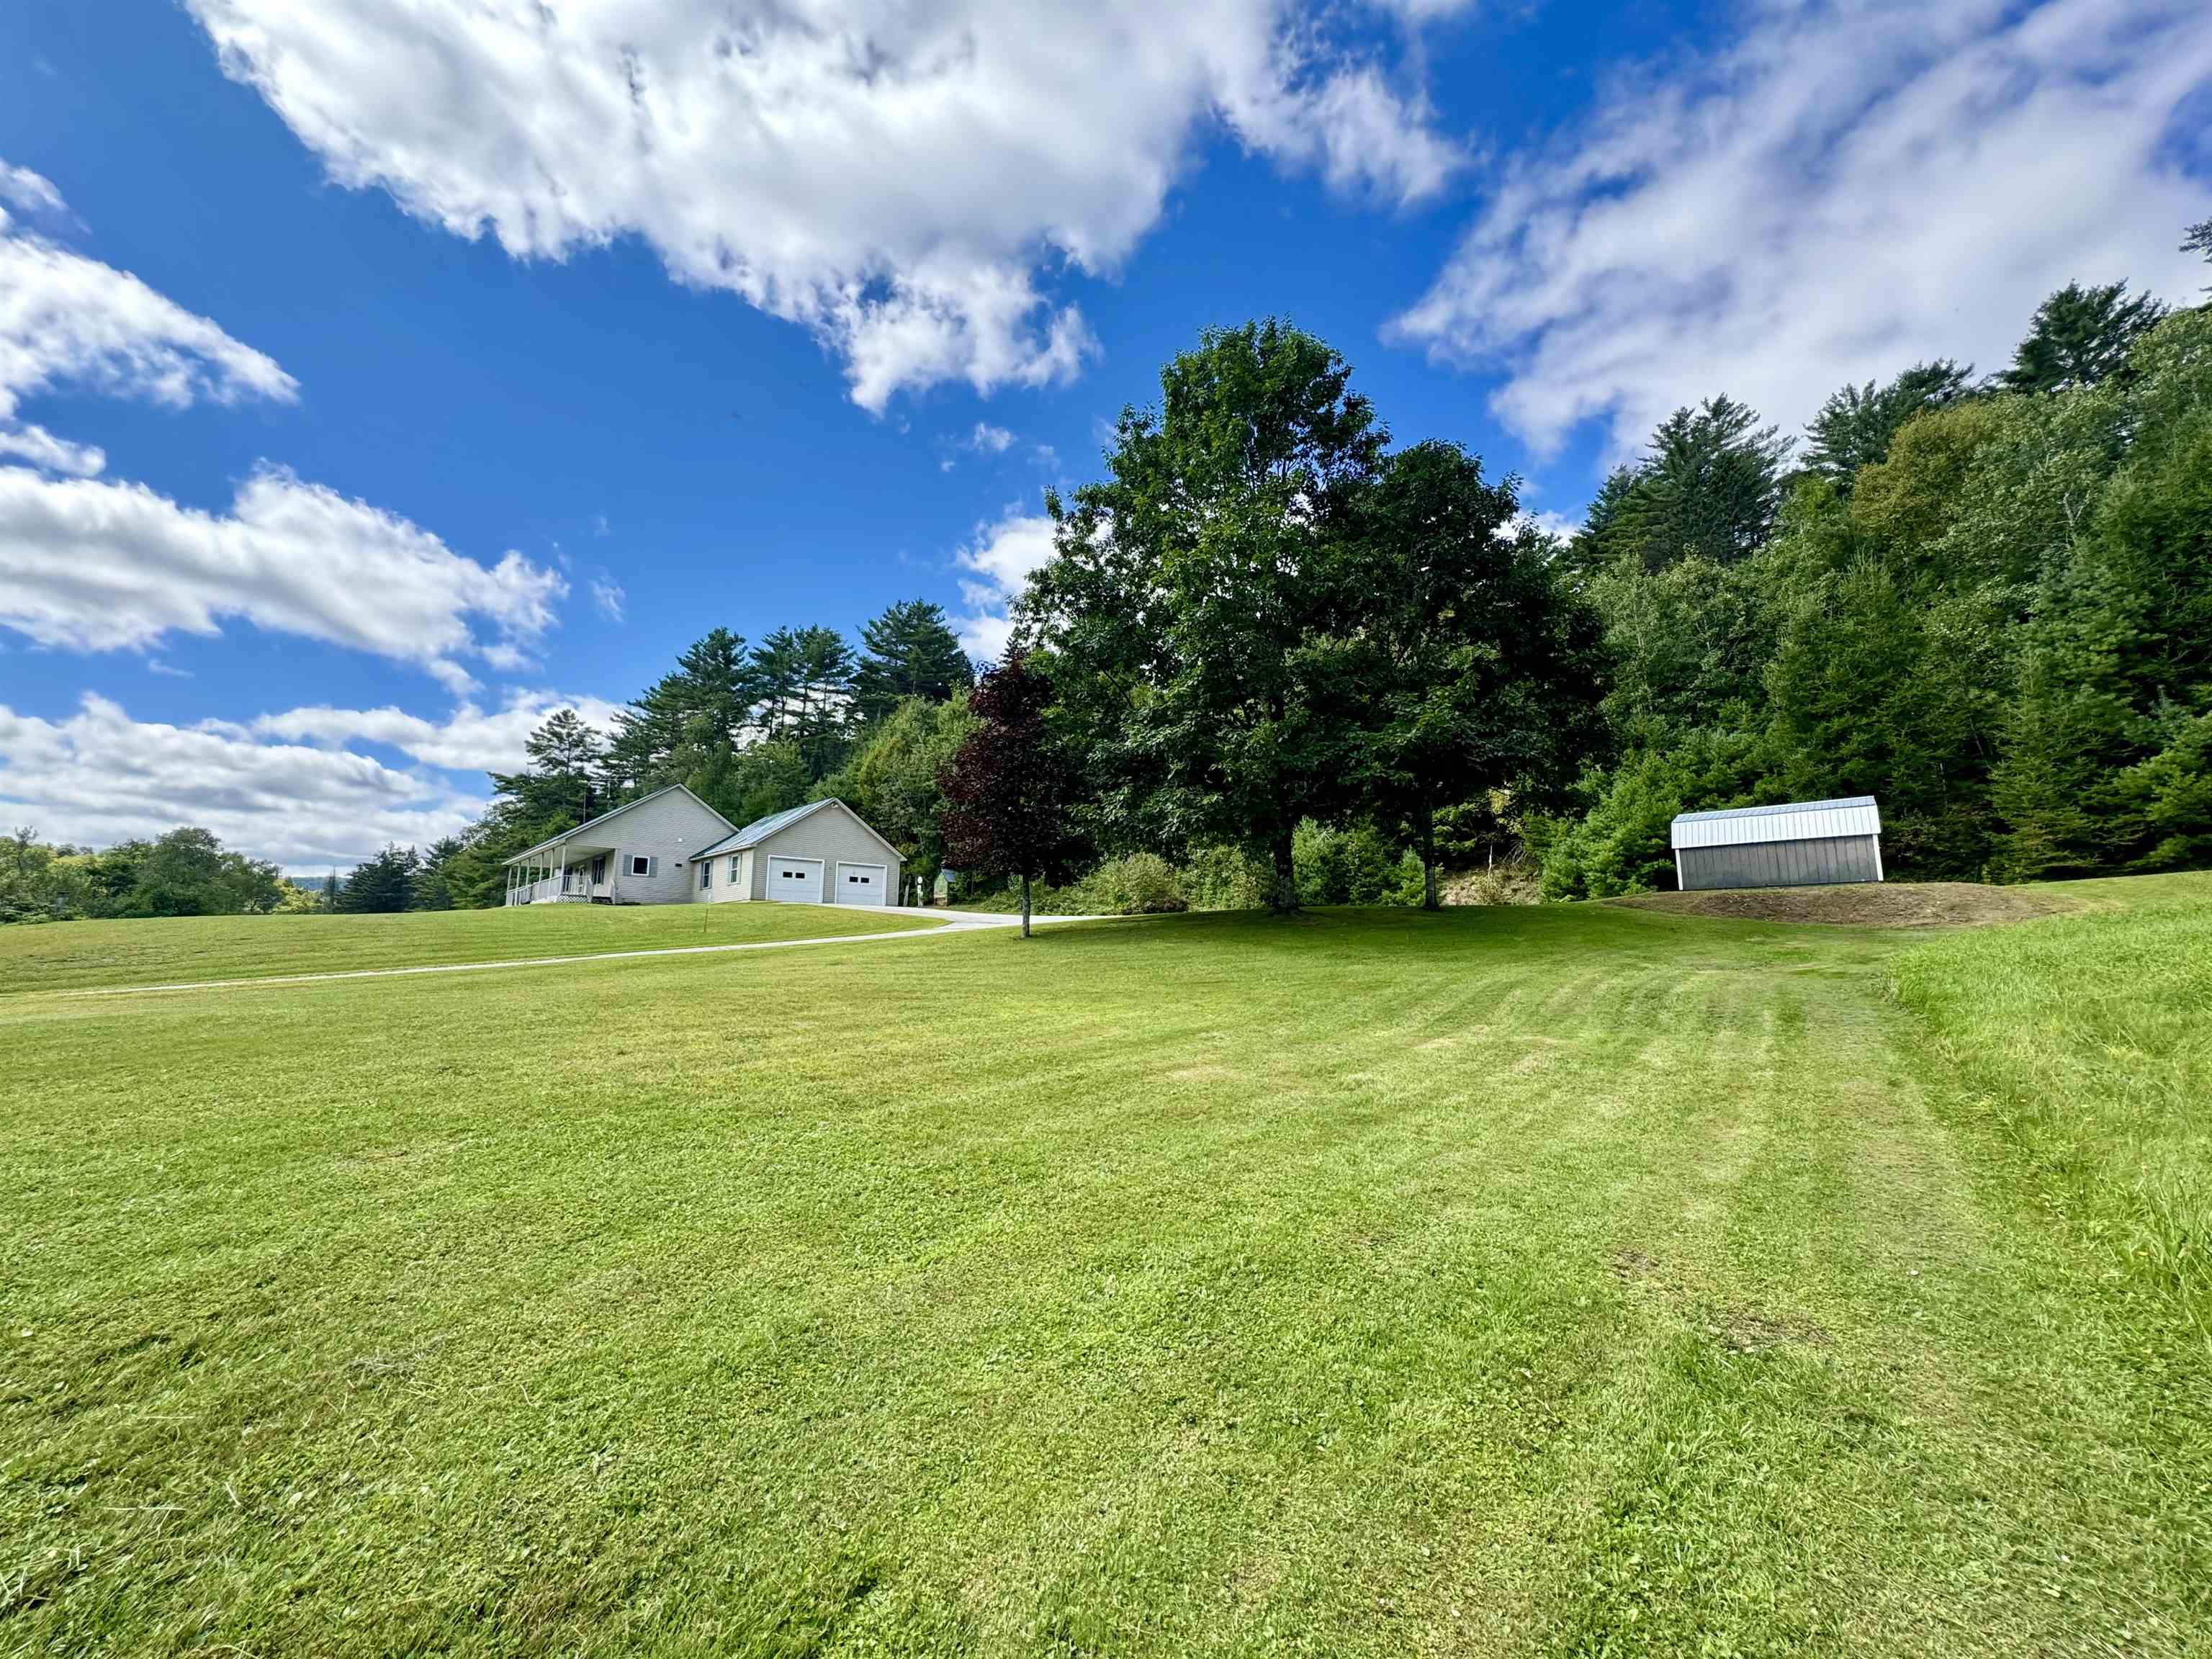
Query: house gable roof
(593,823)
(761,829)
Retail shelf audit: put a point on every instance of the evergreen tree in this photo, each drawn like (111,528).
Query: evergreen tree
(381,885)
(434,884)
(2198,239)
(568,763)
(1710,486)
(909,652)
(805,682)
(1855,426)
(2081,337)
(647,749)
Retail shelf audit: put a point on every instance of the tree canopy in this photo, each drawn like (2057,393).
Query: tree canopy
(2082,337)
(1190,600)
(909,652)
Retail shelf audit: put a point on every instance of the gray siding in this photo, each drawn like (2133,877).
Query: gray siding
(669,828)
(1827,863)
(831,834)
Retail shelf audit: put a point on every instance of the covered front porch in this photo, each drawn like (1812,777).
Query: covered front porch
(564,873)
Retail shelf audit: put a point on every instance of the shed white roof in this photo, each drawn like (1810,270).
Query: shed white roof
(1796,820)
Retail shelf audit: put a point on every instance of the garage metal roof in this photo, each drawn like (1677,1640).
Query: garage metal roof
(761,829)
(1796,820)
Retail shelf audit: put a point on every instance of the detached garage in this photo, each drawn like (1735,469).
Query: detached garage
(1806,843)
(822,852)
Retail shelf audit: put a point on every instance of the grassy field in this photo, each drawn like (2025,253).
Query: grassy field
(1575,1280)
(78,954)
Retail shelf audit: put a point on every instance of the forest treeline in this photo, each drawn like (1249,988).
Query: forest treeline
(1290,662)
(1987,604)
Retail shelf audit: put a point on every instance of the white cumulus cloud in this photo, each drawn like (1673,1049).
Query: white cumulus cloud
(99,776)
(999,561)
(470,739)
(68,319)
(98,566)
(36,446)
(1852,187)
(906,177)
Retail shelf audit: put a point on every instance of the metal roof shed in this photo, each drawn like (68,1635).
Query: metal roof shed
(1805,843)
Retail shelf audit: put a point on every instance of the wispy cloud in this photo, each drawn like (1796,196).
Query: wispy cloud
(1850,187)
(607,594)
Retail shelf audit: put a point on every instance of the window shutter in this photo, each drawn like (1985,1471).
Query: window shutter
(652,867)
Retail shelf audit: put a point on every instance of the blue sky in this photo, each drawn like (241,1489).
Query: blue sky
(375,378)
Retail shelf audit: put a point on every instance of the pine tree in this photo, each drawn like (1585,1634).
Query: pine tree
(381,885)
(805,682)
(2080,336)
(2198,239)
(1855,426)
(909,652)
(1710,486)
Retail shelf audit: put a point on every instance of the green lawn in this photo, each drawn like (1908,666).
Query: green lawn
(1579,1279)
(77,955)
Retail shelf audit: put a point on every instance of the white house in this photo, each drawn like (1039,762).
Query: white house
(671,847)
(822,852)
(636,855)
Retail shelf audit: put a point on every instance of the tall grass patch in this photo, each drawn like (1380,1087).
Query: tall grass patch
(2087,1045)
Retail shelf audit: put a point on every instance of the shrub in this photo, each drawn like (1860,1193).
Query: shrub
(1226,878)
(1353,866)
(1142,883)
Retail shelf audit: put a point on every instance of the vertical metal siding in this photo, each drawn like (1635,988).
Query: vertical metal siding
(1827,863)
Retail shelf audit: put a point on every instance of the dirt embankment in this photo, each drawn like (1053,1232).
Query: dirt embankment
(1888,904)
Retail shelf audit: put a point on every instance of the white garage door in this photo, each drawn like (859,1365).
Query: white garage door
(861,884)
(794,881)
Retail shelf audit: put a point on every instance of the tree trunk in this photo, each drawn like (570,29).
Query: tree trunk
(1429,900)
(1285,898)
(1025,906)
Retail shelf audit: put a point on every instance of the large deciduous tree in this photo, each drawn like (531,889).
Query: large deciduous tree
(1190,597)
(1473,668)
(1007,789)
(892,782)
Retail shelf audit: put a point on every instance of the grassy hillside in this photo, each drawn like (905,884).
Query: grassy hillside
(1579,1279)
(75,955)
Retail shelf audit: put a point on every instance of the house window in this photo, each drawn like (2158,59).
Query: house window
(640,864)
(735,878)
(599,871)
(706,874)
